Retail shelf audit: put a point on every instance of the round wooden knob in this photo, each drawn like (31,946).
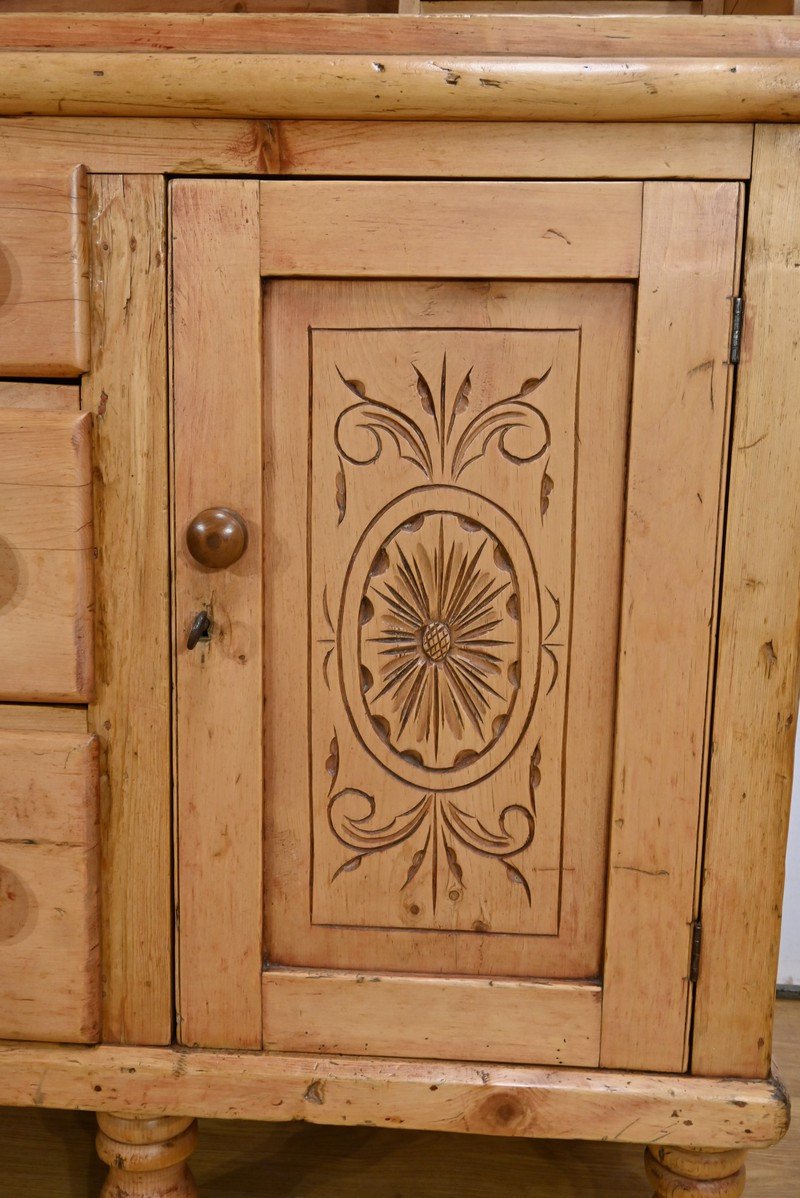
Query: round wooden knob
(217,537)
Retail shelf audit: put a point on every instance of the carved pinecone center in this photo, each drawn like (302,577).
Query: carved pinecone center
(436,640)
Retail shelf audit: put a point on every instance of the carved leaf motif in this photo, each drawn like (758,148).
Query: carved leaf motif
(360,833)
(461,402)
(499,421)
(475,835)
(546,491)
(500,845)
(417,861)
(454,864)
(425,394)
(531,385)
(557,615)
(360,431)
(549,646)
(535,774)
(520,430)
(341,492)
(349,867)
(332,762)
(519,879)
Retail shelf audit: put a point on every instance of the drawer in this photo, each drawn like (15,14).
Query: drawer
(49,918)
(44,287)
(45,555)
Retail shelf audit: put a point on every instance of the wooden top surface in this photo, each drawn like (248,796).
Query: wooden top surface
(610,37)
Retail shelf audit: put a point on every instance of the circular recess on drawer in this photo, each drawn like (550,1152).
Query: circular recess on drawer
(439,634)
(17,907)
(9,573)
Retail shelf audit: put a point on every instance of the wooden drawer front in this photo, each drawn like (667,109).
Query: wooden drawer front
(49,939)
(45,556)
(44,289)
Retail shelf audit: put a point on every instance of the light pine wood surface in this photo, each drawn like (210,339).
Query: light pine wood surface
(477,148)
(44,310)
(404,86)
(677,446)
(50,1154)
(558,36)
(46,583)
(126,390)
(758,666)
(427,307)
(40,397)
(528,230)
(216,307)
(49,958)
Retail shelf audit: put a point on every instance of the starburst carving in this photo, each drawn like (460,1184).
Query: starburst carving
(444,658)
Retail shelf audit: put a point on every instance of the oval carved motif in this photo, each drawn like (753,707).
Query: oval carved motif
(440,634)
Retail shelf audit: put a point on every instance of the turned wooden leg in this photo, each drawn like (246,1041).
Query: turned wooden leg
(686,1173)
(147,1157)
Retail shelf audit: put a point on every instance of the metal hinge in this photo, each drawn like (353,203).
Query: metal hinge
(697,940)
(737,324)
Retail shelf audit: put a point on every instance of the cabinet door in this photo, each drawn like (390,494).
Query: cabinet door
(435,714)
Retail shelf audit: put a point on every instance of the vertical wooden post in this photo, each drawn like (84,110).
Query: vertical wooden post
(147,1157)
(127,392)
(678,444)
(758,668)
(217,439)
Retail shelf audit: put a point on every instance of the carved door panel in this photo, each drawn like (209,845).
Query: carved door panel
(462,570)
(441,539)
(459,563)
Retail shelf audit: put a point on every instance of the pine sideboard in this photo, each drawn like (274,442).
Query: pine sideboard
(399,576)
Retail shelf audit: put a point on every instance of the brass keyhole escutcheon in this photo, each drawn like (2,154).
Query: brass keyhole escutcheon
(217,537)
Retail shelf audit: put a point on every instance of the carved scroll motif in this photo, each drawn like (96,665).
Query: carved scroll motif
(443,827)
(514,425)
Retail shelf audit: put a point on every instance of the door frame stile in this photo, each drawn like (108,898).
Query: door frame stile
(217,414)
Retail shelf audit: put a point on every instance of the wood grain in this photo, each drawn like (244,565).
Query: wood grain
(42,717)
(471,1019)
(44,308)
(216,338)
(511,150)
(126,390)
(557,36)
(45,397)
(147,1158)
(758,660)
(46,585)
(359,86)
(492,1100)
(206,6)
(688,1173)
(527,230)
(49,942)
(675,479)
(50,1154)
(105,146)
(577,8)
(479,149)
(373,916)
